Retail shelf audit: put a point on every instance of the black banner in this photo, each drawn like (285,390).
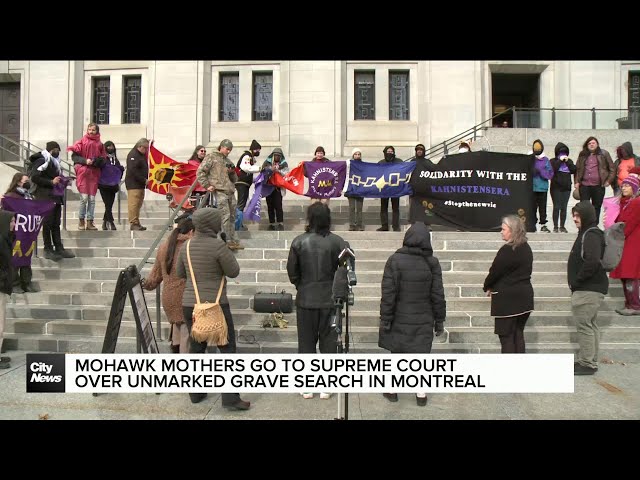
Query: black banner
(472,191)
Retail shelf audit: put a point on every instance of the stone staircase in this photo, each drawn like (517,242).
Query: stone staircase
(71,312)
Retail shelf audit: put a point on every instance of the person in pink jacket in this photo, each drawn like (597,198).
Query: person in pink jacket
(88,155)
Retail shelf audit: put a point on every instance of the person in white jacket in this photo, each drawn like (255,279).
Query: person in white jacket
(245,168)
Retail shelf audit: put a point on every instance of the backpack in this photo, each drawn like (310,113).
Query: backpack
(613,246)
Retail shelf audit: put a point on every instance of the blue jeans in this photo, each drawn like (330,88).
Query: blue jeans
(85,210)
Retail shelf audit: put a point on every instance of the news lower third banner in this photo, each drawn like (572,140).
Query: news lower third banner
(294,373)
(474,191)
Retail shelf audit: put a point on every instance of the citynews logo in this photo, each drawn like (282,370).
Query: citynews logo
(45,373)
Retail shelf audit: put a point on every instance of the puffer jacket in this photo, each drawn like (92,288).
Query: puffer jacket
(211,259)
(412,295)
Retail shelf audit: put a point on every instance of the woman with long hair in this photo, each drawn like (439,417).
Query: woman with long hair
(164,271)
(628,270)
(19,188)
(509,285)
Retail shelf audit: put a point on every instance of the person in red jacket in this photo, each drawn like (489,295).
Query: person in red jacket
(628,270)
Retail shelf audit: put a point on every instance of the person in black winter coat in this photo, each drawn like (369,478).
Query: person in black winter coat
(109,184)
(412,306)
(561,185)
(588,283)
(311,266)
(509,285)
(7,226)
(389,157)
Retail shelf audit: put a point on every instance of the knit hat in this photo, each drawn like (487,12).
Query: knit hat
(52,145)
(356,150)
(226,143)
(634,182)
(465,145)
(420,146)
(319,149)
(255,145)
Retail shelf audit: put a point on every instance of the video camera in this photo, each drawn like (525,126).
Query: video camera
(343,281)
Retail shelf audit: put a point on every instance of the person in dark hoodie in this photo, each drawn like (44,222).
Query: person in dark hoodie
(109,184)
(212,261)
(422,163)
(588,283)
(561,183)
(245,168)
(136,181)
(48,178)
(626,161)
(412,306)
(7,226)
(389,157)
(276,164)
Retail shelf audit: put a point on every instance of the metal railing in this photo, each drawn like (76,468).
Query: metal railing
(576,118)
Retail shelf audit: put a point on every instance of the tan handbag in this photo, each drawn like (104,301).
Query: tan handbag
(209,324)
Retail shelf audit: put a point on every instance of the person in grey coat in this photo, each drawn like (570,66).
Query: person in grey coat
(413,304)
(212,261)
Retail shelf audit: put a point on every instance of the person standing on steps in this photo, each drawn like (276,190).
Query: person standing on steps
(49,182)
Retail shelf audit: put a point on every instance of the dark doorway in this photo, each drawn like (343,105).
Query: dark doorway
(9,121)
(518,90)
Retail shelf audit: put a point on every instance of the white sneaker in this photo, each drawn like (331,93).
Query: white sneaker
(325,396)
(307,395)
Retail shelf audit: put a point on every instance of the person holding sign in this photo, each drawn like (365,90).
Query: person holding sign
(19,188)
(7,225)
(509,285)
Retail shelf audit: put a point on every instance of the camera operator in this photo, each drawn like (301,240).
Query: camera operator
(312,263)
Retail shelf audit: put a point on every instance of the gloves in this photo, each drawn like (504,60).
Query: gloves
(385,326)
(439,328)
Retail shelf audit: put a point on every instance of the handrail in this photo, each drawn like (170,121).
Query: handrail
(164,230)
(443,146)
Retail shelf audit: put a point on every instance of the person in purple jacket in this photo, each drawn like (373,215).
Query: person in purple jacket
(109,184)
(542,173)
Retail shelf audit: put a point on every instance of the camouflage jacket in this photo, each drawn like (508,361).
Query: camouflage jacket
(213,171)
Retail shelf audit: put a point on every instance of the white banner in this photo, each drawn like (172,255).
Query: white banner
(336,373)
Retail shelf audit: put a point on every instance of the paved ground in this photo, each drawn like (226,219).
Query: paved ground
(613,393)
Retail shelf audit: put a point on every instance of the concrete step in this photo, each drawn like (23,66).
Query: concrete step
(456,285)
(79,344)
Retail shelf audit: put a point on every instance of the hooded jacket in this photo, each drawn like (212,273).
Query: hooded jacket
(212,260)
(542,171)
(629,151)
(561,180)
(587,274)
(112,170)
(392,159)
(412,295)
(6,242)
(283,166)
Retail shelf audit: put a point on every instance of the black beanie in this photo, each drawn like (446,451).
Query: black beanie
(255,145)
(52,145)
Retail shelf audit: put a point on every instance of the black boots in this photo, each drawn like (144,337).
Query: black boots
(108,225)
(57,241)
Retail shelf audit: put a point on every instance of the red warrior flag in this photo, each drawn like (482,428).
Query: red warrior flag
(165,172)
(293,181)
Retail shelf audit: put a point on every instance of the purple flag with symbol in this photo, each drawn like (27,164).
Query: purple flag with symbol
(29,217)
(326,179)
(262,189)
(58,189)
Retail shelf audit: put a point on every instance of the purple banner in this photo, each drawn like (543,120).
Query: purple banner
(58,189)
(326,179)
(29,217)
(262,189)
